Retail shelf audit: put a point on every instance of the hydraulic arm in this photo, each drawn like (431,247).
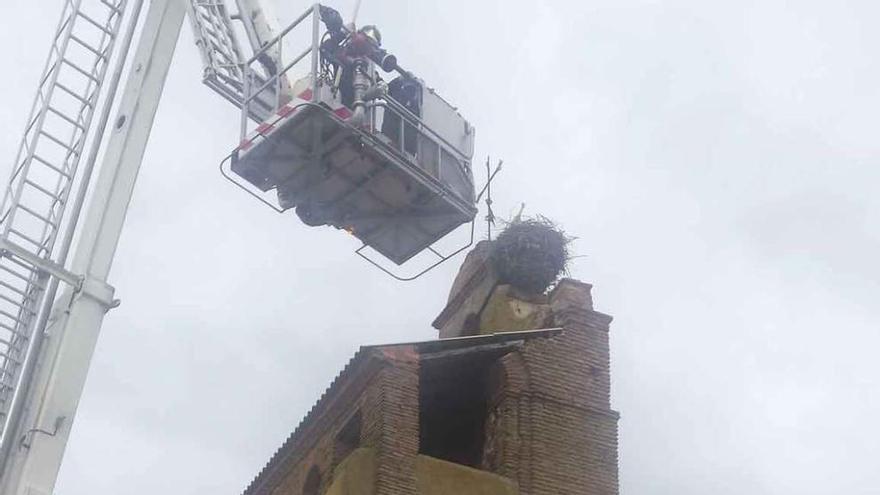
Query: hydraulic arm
(387,162)
(46,341)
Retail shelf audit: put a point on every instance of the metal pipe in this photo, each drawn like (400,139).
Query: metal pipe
(246,104)
(279,80)
(354,15)
(11,421)
(316,42)
(361,84)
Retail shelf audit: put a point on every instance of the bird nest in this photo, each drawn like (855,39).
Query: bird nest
(531,254)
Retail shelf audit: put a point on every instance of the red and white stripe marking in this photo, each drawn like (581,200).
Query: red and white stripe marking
(285,111)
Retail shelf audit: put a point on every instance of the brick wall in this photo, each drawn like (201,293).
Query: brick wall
(398,405)
(383,389)
(550,425)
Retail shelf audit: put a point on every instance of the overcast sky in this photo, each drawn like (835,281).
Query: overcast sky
(718,162)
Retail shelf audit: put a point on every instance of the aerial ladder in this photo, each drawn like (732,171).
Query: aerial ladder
(331,126)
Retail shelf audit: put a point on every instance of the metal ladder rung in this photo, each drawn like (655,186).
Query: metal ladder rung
(31,123)
(11,317)
(46,220)
(67,20)
(22,264)
(5,388)
(48,74)
(59,142)
(73,94)
(65,117)
(86,46)
(81,70)
(13,330)
(111,6)
(9,300)
(6,356)
(96,24)
(39,245)
(43,190)
(16,290)
(8,372)
(15,274)
(17,303)
(18,170)
(53,167)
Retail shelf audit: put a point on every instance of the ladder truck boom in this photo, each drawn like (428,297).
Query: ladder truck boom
(321,132)
(35,436)
(41,378)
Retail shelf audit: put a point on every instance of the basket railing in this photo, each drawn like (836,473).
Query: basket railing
(415,140)
(262,85)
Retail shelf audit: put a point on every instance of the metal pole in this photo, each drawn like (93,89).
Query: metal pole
(246,101)
(354,14)
(489,198)
(316,42)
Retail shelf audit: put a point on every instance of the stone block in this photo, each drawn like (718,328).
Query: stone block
(510,311)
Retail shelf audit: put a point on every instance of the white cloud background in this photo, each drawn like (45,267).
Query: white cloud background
(718,161)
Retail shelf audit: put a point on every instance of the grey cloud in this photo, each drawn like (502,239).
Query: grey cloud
(717,160)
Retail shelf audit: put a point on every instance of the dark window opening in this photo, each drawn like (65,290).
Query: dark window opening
(452,409)
(348,438)
(313,482)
